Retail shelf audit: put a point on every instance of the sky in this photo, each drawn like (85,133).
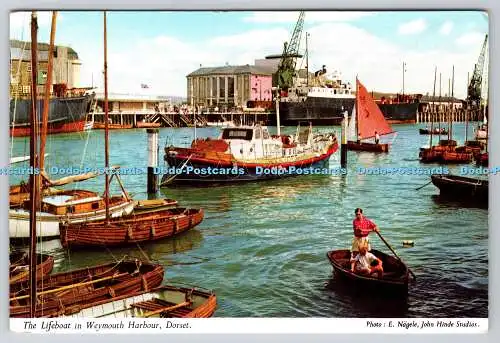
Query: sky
(160,48)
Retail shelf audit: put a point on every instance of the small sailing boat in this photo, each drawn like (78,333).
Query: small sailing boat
(72,206)
(366,122)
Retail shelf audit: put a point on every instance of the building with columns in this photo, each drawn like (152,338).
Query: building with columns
(229,87)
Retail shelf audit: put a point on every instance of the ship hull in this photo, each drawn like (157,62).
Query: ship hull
(65,115)
(239,173)
(330,111)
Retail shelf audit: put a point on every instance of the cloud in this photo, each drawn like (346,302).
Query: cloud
(20,23)
(311,17)
(446,28)
(470,39)
(412,27)
(163,61)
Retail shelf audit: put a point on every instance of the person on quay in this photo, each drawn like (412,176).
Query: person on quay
(365,263)
(362,227)
(377,138)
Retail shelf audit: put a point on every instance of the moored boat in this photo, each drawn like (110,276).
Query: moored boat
(142,227)
(154,205)
(72,206)
(248,153)
(19,266)
(367,121)
(395,277)
(482,159)
(85,286)
(167,301)
(111,126)
(456,157)
(461,187)
(436,131)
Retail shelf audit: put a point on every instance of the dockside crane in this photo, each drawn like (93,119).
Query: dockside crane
(474,88)
(286,68)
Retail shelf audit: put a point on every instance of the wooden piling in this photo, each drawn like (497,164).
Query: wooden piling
(152,186)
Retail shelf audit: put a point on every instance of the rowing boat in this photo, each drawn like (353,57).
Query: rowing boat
(394,280)
(163,302)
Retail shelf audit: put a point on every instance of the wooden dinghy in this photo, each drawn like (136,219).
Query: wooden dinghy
(482,159)
(163,302)
(154,205)
(436,131)
(457,157)
(395,279)
(367,146)
(142,227)
(461,187)
(85,286)
(19,266)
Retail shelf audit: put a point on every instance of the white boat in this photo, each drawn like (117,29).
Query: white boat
(227,123)
(69,206)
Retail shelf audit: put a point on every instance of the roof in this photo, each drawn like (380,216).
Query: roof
(138,96)
(18,46)
(231,70)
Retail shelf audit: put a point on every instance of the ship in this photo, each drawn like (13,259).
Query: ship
(325,101)
(67,113)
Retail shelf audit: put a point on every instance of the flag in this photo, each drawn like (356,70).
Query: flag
(143,85)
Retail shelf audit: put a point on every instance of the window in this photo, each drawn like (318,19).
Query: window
(95,205)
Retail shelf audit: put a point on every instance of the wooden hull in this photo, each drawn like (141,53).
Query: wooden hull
(19,266)
(141,125)
(456,157)
(372,147)
(163,302)
(143,227)
(148,206)
(58,293)
(396,274)
(48,224)
(461,188)
(482,159)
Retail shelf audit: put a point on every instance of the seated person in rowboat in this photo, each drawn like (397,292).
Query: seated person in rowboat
(362,227)
(377,138)
(366,263)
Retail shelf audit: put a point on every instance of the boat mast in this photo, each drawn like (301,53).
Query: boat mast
(439,118)
(106,123)
(357,109)
(433,105)
(33,163)
(48,84)
(452,101)
(307,60)
(467,109)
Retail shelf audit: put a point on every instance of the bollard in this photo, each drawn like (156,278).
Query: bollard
(152,160)
(343,145)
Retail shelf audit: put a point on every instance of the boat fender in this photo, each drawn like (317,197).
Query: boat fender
(408,243)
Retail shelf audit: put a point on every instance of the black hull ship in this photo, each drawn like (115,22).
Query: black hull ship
(66,114)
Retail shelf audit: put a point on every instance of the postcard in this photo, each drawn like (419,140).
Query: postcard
(299,171)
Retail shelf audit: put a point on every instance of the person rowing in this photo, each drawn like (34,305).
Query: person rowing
(362,227)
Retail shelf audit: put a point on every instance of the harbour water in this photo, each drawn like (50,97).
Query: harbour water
(262,246)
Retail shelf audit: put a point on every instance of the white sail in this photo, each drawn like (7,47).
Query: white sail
(351,130)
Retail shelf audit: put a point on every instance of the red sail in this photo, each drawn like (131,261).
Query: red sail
(370,118)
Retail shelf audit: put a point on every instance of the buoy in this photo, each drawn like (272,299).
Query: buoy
(408,243)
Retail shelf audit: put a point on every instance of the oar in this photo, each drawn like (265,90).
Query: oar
(423,185)
(390,248)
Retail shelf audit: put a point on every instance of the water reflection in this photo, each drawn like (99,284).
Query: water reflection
(450,201)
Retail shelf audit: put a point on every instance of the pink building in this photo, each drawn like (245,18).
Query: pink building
(261,87)
(229,86)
